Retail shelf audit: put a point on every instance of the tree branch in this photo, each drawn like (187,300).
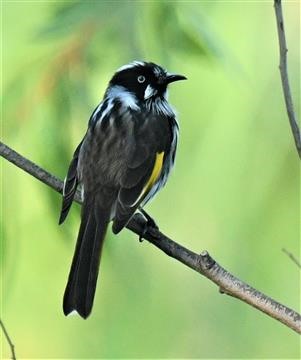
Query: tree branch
(284,76)
(203,263)
(8,339)
(292,257)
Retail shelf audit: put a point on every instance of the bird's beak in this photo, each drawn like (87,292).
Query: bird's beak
(174,77)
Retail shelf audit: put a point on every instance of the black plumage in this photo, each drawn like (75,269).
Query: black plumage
(123,160)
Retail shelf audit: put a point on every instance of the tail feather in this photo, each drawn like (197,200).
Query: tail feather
(81,286)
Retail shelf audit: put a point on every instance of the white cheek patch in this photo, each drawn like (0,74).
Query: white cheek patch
(149,92)
(127,98)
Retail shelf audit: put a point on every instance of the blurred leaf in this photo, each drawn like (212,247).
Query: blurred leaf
(178,27)
(199,34)
(68,17)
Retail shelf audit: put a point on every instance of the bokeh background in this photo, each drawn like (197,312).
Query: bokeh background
(234,191)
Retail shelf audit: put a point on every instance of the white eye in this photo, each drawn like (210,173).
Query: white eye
(141,79)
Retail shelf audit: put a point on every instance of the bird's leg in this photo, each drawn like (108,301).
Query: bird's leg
(150,223)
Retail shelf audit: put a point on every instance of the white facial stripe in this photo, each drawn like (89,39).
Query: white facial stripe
(127,98)
(131,65)
(149,92)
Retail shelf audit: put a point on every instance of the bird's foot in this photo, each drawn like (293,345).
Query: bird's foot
(150,223)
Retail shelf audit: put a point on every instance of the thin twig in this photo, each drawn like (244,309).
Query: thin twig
(8,339)
(203,263)
(292,257)
(284,76)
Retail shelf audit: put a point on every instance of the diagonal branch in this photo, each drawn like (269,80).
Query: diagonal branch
(8,339)
(203,263)
(284,76)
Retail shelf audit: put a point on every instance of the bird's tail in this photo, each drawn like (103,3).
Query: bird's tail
(80,290)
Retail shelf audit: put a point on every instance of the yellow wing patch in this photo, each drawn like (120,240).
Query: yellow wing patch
(154,175)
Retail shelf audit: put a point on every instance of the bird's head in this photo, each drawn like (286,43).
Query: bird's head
(144,80)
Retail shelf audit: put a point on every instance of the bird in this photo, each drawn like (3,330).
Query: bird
(124,159)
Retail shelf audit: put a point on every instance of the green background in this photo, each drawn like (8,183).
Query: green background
(234,191)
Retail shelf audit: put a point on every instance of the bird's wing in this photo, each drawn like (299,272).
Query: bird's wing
(143,170)
(70,185)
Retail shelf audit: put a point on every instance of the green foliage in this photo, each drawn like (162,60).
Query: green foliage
(234,190)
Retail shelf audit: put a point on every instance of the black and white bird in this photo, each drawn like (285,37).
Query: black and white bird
(123,160)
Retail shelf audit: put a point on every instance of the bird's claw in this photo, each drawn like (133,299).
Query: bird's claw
(150,223)
(141,236)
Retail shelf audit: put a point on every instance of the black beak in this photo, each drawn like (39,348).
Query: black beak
(174,77)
